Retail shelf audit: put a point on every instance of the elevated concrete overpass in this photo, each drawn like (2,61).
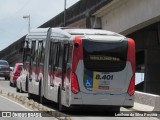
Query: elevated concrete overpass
(138,19)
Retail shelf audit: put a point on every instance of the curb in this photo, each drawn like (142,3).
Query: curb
(148,99)
(35,106)
(149,103)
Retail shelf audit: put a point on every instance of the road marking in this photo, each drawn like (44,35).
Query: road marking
(17,103)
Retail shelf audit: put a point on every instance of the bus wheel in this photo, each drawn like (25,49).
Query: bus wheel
(27,84)
(116,109)
(41,99)
(30,96)
(60,106)
(17,89)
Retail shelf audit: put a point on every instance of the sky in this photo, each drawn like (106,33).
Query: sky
(12,24)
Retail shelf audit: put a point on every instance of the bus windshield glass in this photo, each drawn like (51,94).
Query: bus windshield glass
(104,56)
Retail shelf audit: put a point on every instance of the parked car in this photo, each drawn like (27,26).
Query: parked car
(21,85)
(4,69)
(15,73)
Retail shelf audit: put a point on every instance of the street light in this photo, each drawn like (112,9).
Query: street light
(27,17)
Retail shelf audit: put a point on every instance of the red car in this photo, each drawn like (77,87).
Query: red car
(15,73)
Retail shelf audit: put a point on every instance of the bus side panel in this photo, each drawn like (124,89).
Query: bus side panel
(34,79)
(67,78)
(129,101)
(26,72)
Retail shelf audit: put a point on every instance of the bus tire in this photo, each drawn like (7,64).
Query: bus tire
(17,89)
(26,84)
(30,96)
(116,109)
(60,106)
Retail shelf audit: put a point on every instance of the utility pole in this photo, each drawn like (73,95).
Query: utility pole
(64,13)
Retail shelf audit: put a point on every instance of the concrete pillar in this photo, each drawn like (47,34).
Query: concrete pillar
(152,64)
(93,22)
(152,71)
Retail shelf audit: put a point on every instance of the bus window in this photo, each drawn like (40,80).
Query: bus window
(51,56)
(33,46)
(26,51)
(57,55)
(40,51)
(109,57)
(51,62)
(65,57)
(61,55)
(43,52)
(53,59)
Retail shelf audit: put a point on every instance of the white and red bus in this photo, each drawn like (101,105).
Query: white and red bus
(80,67)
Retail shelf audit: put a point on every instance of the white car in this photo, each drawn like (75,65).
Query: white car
(21,83)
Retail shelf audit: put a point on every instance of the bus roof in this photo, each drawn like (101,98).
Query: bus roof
(91,32)
(63,33)
(96,34)
(39,33)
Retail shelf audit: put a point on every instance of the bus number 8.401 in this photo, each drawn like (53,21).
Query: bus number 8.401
(104,77)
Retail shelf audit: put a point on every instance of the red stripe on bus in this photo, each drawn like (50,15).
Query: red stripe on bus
(131,58)
(131,53)
(77,52)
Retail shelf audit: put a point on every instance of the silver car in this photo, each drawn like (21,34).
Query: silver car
(4,69)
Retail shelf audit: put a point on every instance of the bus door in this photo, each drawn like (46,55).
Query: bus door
(36,55)
(26,61)
(33,72)
(53,58)
(39,66)
(31,68)
(66,73)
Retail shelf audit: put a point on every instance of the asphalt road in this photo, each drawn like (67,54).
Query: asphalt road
(12,106)
(76,114)
(9,109)
(4,85)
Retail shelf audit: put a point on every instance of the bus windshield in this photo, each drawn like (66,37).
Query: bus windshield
(104,56)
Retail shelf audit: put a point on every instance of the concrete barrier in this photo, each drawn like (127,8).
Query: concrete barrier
(148,99)
(157,104)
